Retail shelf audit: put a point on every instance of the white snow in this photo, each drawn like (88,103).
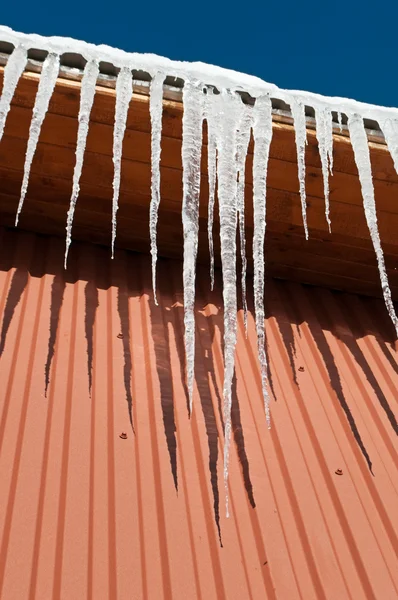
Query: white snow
(196,71)
(324,134)
(156,111)
(86,102)
(45,90)
(12,72)
(360,146)
(262,133)
(298,112)
(192,125)
(124,92)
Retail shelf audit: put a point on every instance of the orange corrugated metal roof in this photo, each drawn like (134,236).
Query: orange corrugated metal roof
(87,514)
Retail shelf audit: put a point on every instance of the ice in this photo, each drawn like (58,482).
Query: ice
(12,73)
(227,124)
(124,92)
(324,134)
(360,146)
(243,139)
(262,133)
(87,93)
(340,121)
(192,124)
(45,90)
(298,112)
(204,74)
(212,176)
(389,128)
(329,138)
(156,111)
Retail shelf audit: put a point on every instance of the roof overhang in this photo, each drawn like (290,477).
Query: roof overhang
(344,259)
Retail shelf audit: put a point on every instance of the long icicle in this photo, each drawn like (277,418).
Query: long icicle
(156,112)
(298,112)
(45,90)
(389,128)
(212,176)
(124,92)
(262,133)
(192,123)
(360,146)
(87,93)
(243,139)
(227,124)
(329,138)
(12,72)
(340,121)
(324,134)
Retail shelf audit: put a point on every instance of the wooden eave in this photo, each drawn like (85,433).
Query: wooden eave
(344,259)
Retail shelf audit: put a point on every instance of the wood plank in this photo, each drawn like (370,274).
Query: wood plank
(55,165)
(282,174)
(65,102)
(280,271)
(344,260)
(133,234)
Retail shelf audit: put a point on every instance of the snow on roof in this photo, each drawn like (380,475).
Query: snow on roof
(209,75)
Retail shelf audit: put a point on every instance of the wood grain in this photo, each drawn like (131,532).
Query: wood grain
(343,260)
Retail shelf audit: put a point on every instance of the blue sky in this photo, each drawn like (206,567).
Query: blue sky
(341,48)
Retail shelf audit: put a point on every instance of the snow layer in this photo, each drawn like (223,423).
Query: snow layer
(195,71)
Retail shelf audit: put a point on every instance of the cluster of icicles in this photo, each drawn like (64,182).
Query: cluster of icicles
(229,125)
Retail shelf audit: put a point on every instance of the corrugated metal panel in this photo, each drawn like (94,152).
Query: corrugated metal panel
(87,514)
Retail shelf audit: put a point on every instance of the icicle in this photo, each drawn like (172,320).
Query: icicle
(262,132)
(212,174)
(389,128)
(329,138)
(124,92)
(87,92)
(324,134)
(192,122)
(156,110)
(298,112)
(226,122)
(12,72)
(242,145)
(360,146)
(340,121)
(45,90)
